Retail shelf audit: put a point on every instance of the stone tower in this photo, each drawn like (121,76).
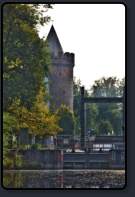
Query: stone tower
(61,86)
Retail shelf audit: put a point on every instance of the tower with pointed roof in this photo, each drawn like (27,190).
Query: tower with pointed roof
(61,78)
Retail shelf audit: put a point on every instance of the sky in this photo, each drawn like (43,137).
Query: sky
(95,33)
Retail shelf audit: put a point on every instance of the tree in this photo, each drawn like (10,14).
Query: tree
(10,125)
(115,118)
(77,94)
(66,121)
(39,120)
(109,112)
(101,111)
(109,85)
(77,105)
(26,60)
(92,113)
(92,109)
(105,127)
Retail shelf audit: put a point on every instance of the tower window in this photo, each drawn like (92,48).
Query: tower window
(60,74)
(63,92)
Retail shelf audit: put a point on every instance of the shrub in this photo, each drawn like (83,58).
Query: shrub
(31,165)
(49,148)
(105,127)
(14,144)
(35,146)
(37,165)
(24,147)
(18,161)
(9,124)
(66,121)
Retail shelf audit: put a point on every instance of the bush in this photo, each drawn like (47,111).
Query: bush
(14,144)
(49,148)
(66,121)
(105,127)
(9,124)
(13,161)
(56,147)
(35,146)
(24,147)
(18,161)
(31,165)
(8,163)
(36,165)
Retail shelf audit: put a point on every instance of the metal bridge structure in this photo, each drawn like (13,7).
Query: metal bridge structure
(85,100)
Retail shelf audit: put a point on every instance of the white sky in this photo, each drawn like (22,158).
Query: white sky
(95,33)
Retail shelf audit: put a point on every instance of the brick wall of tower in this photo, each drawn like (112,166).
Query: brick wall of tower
(61,86)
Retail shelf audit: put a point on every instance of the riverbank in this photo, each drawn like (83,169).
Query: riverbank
(64,178)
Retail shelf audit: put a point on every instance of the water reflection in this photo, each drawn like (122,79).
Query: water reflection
(64,179)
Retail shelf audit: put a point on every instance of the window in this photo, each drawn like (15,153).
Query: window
(65,141)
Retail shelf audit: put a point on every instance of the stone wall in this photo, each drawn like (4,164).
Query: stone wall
(61,86)
(50,159)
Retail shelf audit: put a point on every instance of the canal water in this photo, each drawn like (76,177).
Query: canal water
(64,179)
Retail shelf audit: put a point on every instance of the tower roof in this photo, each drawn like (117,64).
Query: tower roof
(54,42)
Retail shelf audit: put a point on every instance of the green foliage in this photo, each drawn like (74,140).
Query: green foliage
(115,118)
(100,115)
(92,112)
(39,120)
(36,165)
(24,147)
(77,105)
(12,160)
(92,109)
(18,161)
(49,148)
(31,165)
(9,127)
(109,112)
(35,146)
(77,95)
(66,121)
(26,60)
(108,85)
(56,147)
(105,127)
(14,144)
(15,161)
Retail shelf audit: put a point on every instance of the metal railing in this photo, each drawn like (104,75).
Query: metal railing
(90,144)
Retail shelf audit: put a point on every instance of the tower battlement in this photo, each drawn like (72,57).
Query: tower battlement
(64,58)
